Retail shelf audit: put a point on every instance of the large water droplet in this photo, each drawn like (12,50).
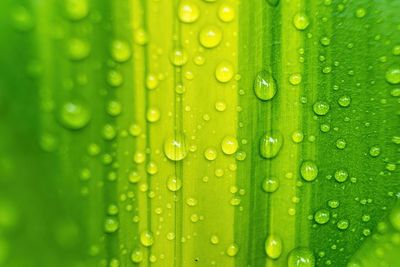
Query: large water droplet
(270,144)
(273,246)
(111,225)
(265,85)
(74,115)
(301,257)
(175,147)
(321,108)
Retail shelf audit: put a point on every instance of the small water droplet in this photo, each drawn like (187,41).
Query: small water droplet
(264,86)
(175,147)
(78,49)
(146,238)
(120,51)
(374,151)
(270,184)
(210,154)
(224,72)
(111,225)
(188,11)
(178,57)
(344,101)
(137,256)
(74,115)
(226,13)
(341,175)
(321,108)
(270,144)
(322,216)
(210,36)
(301,21)
(229,145)
(76,9)
(153,114)
(309,170)
(232,250)
(342,224)
(297,136)
(393,75)
(301,257)
(174,183)
(273,246)
(295,78)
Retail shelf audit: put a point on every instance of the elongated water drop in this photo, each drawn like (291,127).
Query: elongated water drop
(270,144)
(175,147)
(265,85)
(309,170)
(74,115)
(301,257)
(273,246)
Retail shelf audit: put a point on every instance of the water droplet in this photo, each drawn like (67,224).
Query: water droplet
(232,250)
(109,132)
(374,151)
(333,203)
(309,170)
(341,175)
(229,145)
(114,108)
(120,51)
(210,154)
(344,101)
(226,13)
(322,216)
(22,19)
(393,75)
(111,225)
(295,78)
(153,115)
(210,36)
(301,257)
(270,144)
(361,12)
(301,21)
(396,50)
(74,115)
(341,143)
(273,246)
(134,177)
(264,85)
(76,9)
(214,239)
(325,41)
(270,184)
(224,72)
(394,218)
(178,57)
(175,147)
(297,136)
(140,36)
(321,108)
(188,11)
(151,82)
(174,183)
(115,78)
(146,238)
(78,49)
(343,224)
